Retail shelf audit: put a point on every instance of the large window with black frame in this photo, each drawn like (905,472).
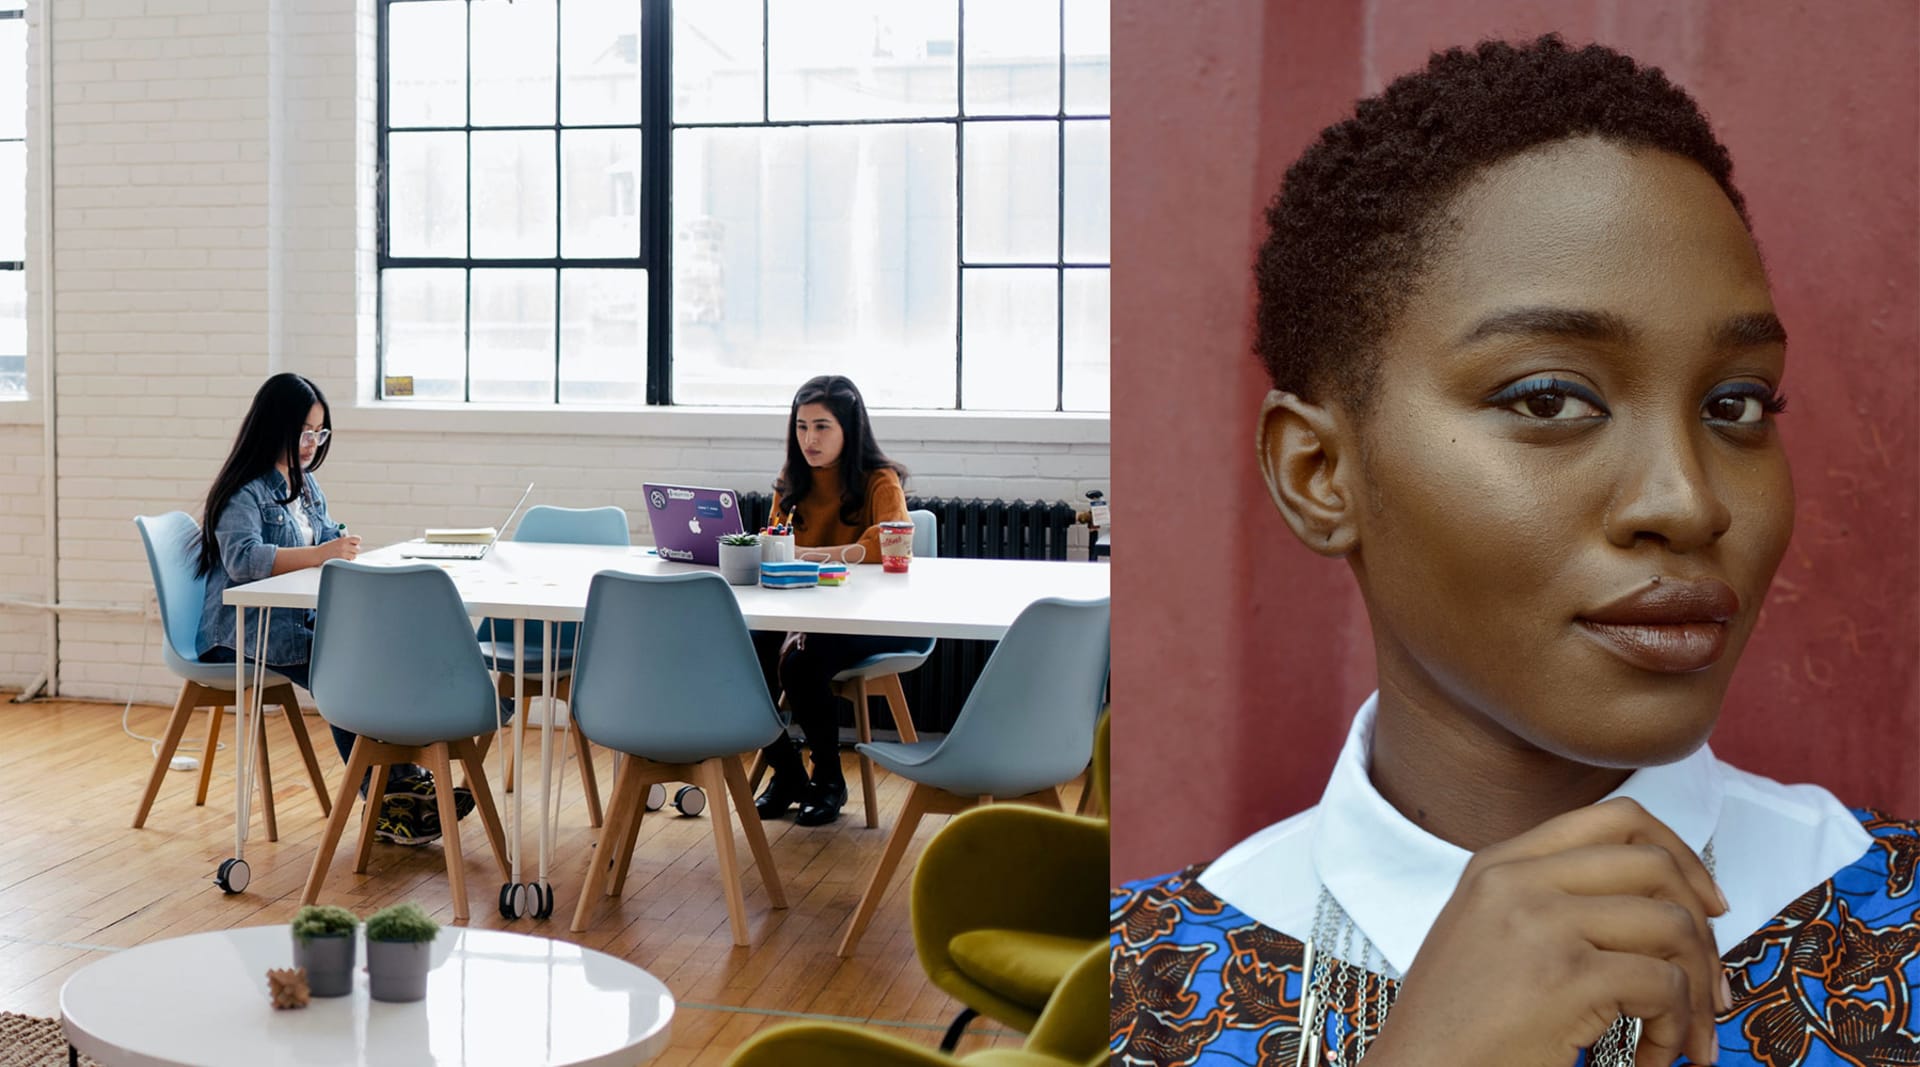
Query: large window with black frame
(13,205)
(625,202)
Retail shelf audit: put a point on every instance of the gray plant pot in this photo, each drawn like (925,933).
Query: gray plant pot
(329,962)
(740,564)
(397,970)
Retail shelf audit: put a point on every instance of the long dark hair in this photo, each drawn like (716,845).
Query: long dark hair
(860,455)
(270,435)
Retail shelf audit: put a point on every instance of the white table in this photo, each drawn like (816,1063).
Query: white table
(974,599)
(492,998)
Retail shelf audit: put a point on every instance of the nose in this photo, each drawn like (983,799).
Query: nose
(1667,492)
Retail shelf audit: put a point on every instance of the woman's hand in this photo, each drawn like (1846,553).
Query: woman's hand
(1550,936)
(346,547)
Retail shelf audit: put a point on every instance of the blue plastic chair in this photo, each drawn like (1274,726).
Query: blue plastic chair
(667,675)
(1027,727)
(172,543)
(879,675)
(549,525)
(394,662)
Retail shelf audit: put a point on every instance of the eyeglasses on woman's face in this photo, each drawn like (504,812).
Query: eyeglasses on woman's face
(314,438)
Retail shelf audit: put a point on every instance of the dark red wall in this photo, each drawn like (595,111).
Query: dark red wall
(1238,656)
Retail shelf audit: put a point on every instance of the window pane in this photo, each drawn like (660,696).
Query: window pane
(716,61)
(1010,342)
(13,201)
(426,65)
(600,213)
(513,184)
(512,336)
(13,318)
(600,55)
(849,59)
(1089,57)
(427,194)
(13,87)
(1013,195)
(423,330)
(803,251)
(1087,192)
(1013,57)
(603,336)
(513,63)
(1089,356)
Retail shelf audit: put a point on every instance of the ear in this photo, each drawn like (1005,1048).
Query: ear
(1311,463)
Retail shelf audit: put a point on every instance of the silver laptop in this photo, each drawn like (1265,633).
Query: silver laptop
(424,550)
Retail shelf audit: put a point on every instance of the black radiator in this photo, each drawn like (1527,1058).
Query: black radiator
(968,529)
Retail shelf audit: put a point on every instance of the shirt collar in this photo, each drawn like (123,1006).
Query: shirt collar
(1393,878)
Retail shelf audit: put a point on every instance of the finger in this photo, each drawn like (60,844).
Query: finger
(1643,870)
(1657,929)
(1651,990)
(1619,821)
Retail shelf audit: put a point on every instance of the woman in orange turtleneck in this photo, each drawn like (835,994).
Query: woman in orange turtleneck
(839,487)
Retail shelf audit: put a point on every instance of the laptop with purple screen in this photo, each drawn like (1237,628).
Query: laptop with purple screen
(689,521)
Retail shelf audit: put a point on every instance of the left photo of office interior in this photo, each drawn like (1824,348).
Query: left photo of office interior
(554,531)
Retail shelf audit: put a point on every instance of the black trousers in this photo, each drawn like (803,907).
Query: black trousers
(806,674)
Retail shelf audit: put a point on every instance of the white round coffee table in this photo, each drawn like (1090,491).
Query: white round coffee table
(492,998)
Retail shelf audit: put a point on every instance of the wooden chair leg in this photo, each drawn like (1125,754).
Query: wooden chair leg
(216,715)
(337,822)
(863,729)
(473,759)
(759,771)
(622,856)
(902,836)
(583,752)
(376,799)
(169,744)
(622,805)
(265,771)
(1045,798)
(736,780)
(897,706)
(714,782)
(290,704)
(442,769)
(1086,799)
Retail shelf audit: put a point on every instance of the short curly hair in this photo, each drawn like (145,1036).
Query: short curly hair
(1354,223)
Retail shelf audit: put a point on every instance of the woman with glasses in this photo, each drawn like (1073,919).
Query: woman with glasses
(266,515)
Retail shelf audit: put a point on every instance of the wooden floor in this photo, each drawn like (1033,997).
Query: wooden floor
(77,883)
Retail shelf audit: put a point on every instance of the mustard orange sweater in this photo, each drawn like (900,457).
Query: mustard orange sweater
(817,518)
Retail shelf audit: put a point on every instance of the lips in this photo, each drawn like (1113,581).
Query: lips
(1673,627)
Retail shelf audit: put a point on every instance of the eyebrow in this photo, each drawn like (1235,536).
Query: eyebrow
(1751,330)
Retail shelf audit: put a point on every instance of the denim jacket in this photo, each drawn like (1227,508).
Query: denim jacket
(250,531)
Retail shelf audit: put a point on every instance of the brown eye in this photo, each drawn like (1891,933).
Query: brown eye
(1546,405)
(1739,409)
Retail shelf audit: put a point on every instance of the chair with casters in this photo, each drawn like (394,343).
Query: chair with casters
(666,675)
(1006,899)
(1026,728)
(1071,1032)
(879,675)
(546,524)
(394,661)
(171,543)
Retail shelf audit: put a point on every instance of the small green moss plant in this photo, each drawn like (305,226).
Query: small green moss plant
(402,922)
(324,920)
(741,539)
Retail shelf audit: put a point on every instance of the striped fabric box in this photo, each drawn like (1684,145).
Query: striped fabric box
(790,574)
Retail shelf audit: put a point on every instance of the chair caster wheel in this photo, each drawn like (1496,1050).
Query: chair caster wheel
(513,900)
(233,876)
(656,797)
(542,900)
(690,800)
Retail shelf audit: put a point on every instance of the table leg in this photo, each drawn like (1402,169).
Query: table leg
(547,683)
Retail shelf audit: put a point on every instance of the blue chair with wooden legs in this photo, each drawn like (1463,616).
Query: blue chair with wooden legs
(1026,728)
(172,542)
(394,662)
(879,675)
(667,675)
(546,524)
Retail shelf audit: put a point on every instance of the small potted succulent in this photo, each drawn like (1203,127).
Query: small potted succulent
(399,952)
(740,558)
(324,944)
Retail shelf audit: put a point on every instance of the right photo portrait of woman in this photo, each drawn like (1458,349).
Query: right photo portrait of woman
(1517,443)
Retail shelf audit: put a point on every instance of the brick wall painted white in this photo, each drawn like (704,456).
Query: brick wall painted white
(214,221)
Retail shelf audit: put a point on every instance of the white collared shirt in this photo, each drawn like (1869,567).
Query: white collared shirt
(1771,843)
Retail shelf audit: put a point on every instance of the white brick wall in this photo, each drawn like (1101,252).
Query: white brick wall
(213,218)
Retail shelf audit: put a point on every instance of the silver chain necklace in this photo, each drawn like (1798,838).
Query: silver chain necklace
(1341,978)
